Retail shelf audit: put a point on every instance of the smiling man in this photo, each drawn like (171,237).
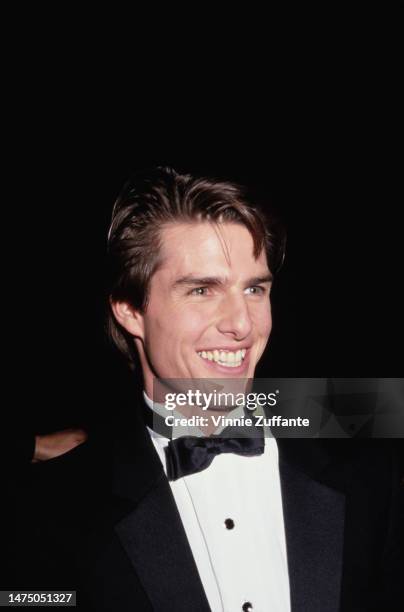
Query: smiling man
(199,522)
(203,311)
(192,265)
(208,312)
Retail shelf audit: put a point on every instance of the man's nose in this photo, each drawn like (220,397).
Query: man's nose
(235,317)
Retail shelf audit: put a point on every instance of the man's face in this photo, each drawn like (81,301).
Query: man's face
(209,311)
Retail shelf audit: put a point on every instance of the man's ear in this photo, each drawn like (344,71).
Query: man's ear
(130,319)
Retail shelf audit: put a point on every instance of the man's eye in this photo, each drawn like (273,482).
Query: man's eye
(199,291)
(256,290)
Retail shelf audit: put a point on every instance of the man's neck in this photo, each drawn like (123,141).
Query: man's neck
(205,427)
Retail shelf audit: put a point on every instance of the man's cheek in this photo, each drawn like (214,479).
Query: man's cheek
(192,325)
(267,318)
(262,323)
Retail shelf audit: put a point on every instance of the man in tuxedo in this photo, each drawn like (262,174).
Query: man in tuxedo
(143,522)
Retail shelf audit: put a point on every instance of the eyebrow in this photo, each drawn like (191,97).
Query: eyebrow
(193,281)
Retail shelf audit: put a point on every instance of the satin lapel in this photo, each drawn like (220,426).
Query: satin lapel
(314,516)
(155,541)
(151,530)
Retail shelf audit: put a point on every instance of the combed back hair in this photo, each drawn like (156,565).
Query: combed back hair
(154,199)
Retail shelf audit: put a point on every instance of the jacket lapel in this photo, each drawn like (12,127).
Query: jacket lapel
(151,532)
(314,513)
(156,543)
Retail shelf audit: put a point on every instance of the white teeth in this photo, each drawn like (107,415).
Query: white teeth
(226,358)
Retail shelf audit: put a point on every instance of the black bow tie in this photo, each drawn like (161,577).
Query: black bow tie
(190,454)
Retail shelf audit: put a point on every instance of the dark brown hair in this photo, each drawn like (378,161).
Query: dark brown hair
(150,201)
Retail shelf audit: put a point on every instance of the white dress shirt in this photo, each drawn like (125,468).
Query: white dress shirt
(232,515)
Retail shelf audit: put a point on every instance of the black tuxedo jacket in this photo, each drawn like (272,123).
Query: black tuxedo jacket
(102,520)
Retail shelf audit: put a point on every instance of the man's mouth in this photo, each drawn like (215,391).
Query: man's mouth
(228,359)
